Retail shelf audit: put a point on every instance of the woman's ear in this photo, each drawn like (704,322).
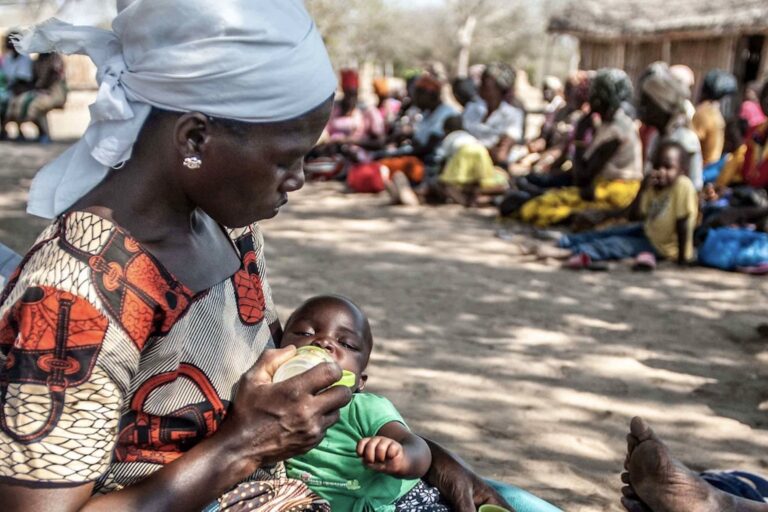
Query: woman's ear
(192,133)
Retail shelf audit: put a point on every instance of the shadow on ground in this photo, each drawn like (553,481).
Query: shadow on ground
(529,372)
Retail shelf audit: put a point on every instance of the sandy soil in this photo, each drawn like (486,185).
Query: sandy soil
(528,371)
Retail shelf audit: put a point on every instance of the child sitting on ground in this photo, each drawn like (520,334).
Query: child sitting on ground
(369,460)
(669,204)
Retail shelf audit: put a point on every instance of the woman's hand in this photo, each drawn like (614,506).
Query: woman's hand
(273,422)
(458,483)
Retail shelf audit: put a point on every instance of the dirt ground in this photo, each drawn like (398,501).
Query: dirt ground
(528,371)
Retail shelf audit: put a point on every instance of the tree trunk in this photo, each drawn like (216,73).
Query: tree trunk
(466,32)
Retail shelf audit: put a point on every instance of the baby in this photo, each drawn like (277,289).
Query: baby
(368,459)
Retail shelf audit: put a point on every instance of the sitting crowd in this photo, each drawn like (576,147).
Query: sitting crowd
(29,89)
(621,171)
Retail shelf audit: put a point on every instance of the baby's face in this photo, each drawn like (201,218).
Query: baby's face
(336,326)
(667,168)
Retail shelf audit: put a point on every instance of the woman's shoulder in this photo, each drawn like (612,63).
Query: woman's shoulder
(95,261)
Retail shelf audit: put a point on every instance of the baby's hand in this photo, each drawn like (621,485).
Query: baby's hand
(382,454)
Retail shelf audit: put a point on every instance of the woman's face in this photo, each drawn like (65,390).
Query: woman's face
(246,176)
(651,114)
(490,91)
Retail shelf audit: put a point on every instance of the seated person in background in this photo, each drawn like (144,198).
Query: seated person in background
(728,171)
(369,459)
(751,110)
(409,164)
(352,132)
(687,78)
(468,170)
(464,90)
(389,106)
(550,155)
(669,204)
(19,75)
(49,92)
(662,106)
(608,173)
(753,167)
(352,124)
(490,118)
(554,98)
(708,122)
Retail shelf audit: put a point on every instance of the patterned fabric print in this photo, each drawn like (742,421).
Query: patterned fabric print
(421,498)
(275,496)
(247,281)
(78,448)
(136,290)
(50,338)
(111,367)
(172,399)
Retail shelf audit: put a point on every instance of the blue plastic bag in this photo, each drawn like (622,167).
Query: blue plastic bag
(731,248)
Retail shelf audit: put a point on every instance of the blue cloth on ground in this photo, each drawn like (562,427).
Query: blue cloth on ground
(731,248)
(739,483)
(614,243)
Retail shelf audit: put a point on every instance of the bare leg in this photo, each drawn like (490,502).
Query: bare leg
(657,482)
(41,121)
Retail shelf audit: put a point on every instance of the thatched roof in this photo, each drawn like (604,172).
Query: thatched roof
(611,19)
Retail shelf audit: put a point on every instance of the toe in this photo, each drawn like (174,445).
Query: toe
(634,506)
(641,430)
(629,493)
(625,477)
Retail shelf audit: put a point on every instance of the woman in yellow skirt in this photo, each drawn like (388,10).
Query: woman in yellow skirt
(610,171)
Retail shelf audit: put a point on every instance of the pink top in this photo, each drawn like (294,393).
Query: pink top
(752,113)
(358,125)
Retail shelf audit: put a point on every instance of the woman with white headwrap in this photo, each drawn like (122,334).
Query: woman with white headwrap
(136,335)
(662,106)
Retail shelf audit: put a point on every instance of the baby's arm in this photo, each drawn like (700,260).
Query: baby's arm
(396,451)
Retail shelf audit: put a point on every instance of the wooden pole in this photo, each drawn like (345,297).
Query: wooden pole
(466,32)
(763,74)
(666,51)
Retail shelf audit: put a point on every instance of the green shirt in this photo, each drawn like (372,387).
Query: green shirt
(335,472)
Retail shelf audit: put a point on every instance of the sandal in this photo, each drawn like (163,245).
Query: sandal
(645,262)
(580,261)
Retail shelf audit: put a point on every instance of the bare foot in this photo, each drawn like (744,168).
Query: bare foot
(657,482)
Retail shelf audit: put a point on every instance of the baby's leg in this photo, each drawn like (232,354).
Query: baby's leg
(422,498)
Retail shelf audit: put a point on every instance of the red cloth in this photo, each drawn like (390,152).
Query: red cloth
(755,168)
(365,178)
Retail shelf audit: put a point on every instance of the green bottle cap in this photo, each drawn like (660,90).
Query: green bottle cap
(348,379)
(491,508)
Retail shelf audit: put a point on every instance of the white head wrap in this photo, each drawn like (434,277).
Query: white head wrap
(252,61)
(664,88)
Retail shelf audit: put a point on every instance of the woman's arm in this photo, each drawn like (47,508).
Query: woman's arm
(396,451)
(587,169)
(266,424)
(458,483)
(500,152)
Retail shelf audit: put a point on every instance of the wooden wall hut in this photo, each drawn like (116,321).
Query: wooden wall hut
(702,34)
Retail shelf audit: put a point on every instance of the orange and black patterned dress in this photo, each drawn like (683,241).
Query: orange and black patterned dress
(110,367)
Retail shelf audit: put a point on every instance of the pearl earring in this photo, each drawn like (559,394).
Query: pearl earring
(193,162)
